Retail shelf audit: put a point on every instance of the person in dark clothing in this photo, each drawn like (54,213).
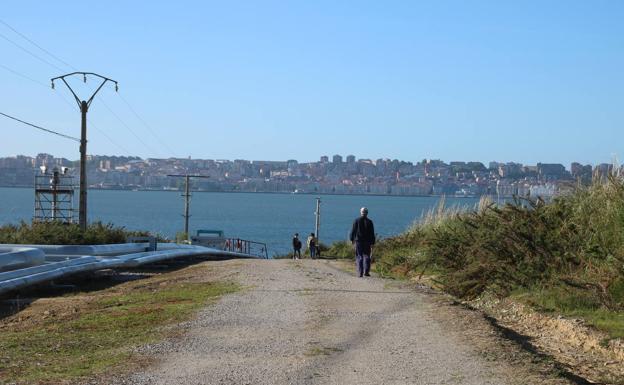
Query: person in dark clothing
(296,246)
(312,245)
(363,238)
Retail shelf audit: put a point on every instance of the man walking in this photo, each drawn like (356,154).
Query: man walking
(363,238)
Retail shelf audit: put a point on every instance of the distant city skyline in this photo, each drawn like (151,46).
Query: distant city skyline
(483,81)
(335,175)
(76,158)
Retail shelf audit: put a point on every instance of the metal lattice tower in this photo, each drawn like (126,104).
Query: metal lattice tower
(54,196)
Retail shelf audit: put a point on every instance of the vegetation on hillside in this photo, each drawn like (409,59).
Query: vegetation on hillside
(566,255)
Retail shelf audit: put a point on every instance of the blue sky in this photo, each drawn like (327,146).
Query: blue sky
(480,80)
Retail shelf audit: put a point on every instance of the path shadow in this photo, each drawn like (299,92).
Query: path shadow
(524,342)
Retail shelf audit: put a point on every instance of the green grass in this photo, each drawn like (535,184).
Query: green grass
(102,336)
(575,303)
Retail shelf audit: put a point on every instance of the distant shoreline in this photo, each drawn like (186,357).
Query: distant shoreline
(275,192)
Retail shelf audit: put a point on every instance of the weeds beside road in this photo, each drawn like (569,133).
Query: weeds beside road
(83,334)
(565,256)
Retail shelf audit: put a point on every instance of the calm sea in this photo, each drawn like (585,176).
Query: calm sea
(270,218)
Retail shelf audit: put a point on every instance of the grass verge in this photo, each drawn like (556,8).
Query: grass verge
(85,338)
(574,304)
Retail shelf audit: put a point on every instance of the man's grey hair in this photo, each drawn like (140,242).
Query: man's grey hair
(363,211)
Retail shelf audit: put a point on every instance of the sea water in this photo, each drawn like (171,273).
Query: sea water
(262,217)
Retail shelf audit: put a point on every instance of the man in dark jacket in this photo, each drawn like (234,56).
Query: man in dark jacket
(363,238)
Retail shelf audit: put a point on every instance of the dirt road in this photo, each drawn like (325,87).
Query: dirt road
(308,322)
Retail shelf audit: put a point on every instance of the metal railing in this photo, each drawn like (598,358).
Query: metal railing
(237,245)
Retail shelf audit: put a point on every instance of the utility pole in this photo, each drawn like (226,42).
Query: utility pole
(187,198)
(317,215)
(84,108)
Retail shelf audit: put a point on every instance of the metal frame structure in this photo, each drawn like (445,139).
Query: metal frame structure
(84,108)
(244,246)
(54,195)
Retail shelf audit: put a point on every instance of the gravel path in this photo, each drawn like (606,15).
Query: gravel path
(307,322)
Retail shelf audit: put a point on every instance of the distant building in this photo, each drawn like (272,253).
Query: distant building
(504,188)
(494,165)
(350,158)
(550,171)
(603,169)
(324,159)
(509,170)
(337,159)
(582,172)
(543,191)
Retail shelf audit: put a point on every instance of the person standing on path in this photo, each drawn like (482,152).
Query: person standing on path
(312,245)
(296,246)
(363,238)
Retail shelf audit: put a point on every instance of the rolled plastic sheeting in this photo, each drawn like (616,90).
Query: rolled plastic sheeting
(16,279)
(113,249)
(16,257)
(52,271)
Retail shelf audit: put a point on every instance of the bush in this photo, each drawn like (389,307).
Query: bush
(57,233)
(340,250)
(575,242)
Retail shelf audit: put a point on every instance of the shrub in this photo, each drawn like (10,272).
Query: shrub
(575,241)
(57,233)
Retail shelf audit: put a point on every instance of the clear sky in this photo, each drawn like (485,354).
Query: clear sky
(523,81)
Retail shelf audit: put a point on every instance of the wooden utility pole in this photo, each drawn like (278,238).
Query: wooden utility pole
(317,224)
(187,199)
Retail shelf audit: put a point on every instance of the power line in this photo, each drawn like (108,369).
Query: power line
(36,45)
(40,128)
(23,76)
(30,53)
(101,131)
(162,143)
(61,97)
(150,129)
(127,127)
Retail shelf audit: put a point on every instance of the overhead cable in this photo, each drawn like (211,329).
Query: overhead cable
(150,129)
(31,53)
(125,125)
(40,128)
(74,68)
(36,45)
(23,76)
(72,106)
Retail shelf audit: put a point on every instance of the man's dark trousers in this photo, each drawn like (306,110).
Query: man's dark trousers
(363,257)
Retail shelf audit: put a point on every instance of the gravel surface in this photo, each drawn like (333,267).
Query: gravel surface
(308,322)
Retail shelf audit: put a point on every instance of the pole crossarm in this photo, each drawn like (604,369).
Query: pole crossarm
(84,74)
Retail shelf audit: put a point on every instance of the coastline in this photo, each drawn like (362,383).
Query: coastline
(277,192)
